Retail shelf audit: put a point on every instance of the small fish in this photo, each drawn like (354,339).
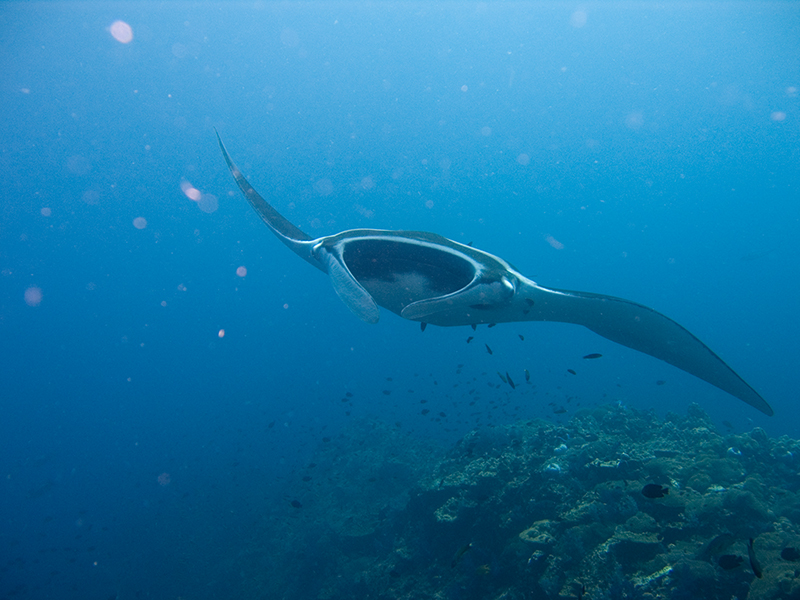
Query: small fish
(527,376)
(296,504)
(660,382)
(729,561)
(581,591)
(422,326)
(571,371)
(593,355)
(474,327)
(560,410)
(653,490)
(460,553)
(522,337)
(754,564)
(791,554)
(489,350)
(510,381)
(492,325)
(719,544)
(469,339)
(501,376)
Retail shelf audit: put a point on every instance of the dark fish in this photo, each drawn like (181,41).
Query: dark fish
(296,504)
(349,394)
(653,490)
(522,337)
(474,327)
(754,564)
(425,411)
(460,553)
(422,326)
(560,410)
(489,350)
(501,376)
(581,591)
(791,554)
(492,325)
(469,339)
(593,355)
(660,382)
(510,381)
(387,392)
(729,561)
(719,544)
(571,371)
(527,375)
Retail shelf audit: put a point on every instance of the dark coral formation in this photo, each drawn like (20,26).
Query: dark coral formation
(542,510)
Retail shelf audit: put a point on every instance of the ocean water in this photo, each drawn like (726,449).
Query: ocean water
(168,365)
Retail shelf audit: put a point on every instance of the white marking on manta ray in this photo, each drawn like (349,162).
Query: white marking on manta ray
(477,287)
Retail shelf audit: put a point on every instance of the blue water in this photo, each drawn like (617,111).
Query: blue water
(154,401)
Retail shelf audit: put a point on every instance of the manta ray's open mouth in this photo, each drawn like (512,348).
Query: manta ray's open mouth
(391,261)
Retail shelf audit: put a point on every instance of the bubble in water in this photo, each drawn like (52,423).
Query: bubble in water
(121,32)
(208,203)
(554,242)
(33,296)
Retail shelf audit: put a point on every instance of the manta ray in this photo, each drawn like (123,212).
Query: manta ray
(430,279)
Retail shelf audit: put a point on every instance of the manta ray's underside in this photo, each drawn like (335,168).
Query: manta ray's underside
(430,279)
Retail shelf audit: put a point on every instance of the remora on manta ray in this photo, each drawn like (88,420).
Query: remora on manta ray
(427,278)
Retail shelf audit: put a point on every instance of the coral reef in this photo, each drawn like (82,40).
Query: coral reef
(544,510)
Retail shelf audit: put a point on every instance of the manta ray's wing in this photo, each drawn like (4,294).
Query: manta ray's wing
(300,242)
(646,330)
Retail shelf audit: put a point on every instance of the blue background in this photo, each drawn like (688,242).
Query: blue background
(663,154)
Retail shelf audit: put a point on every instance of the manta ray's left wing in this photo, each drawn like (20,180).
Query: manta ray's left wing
(646,330)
